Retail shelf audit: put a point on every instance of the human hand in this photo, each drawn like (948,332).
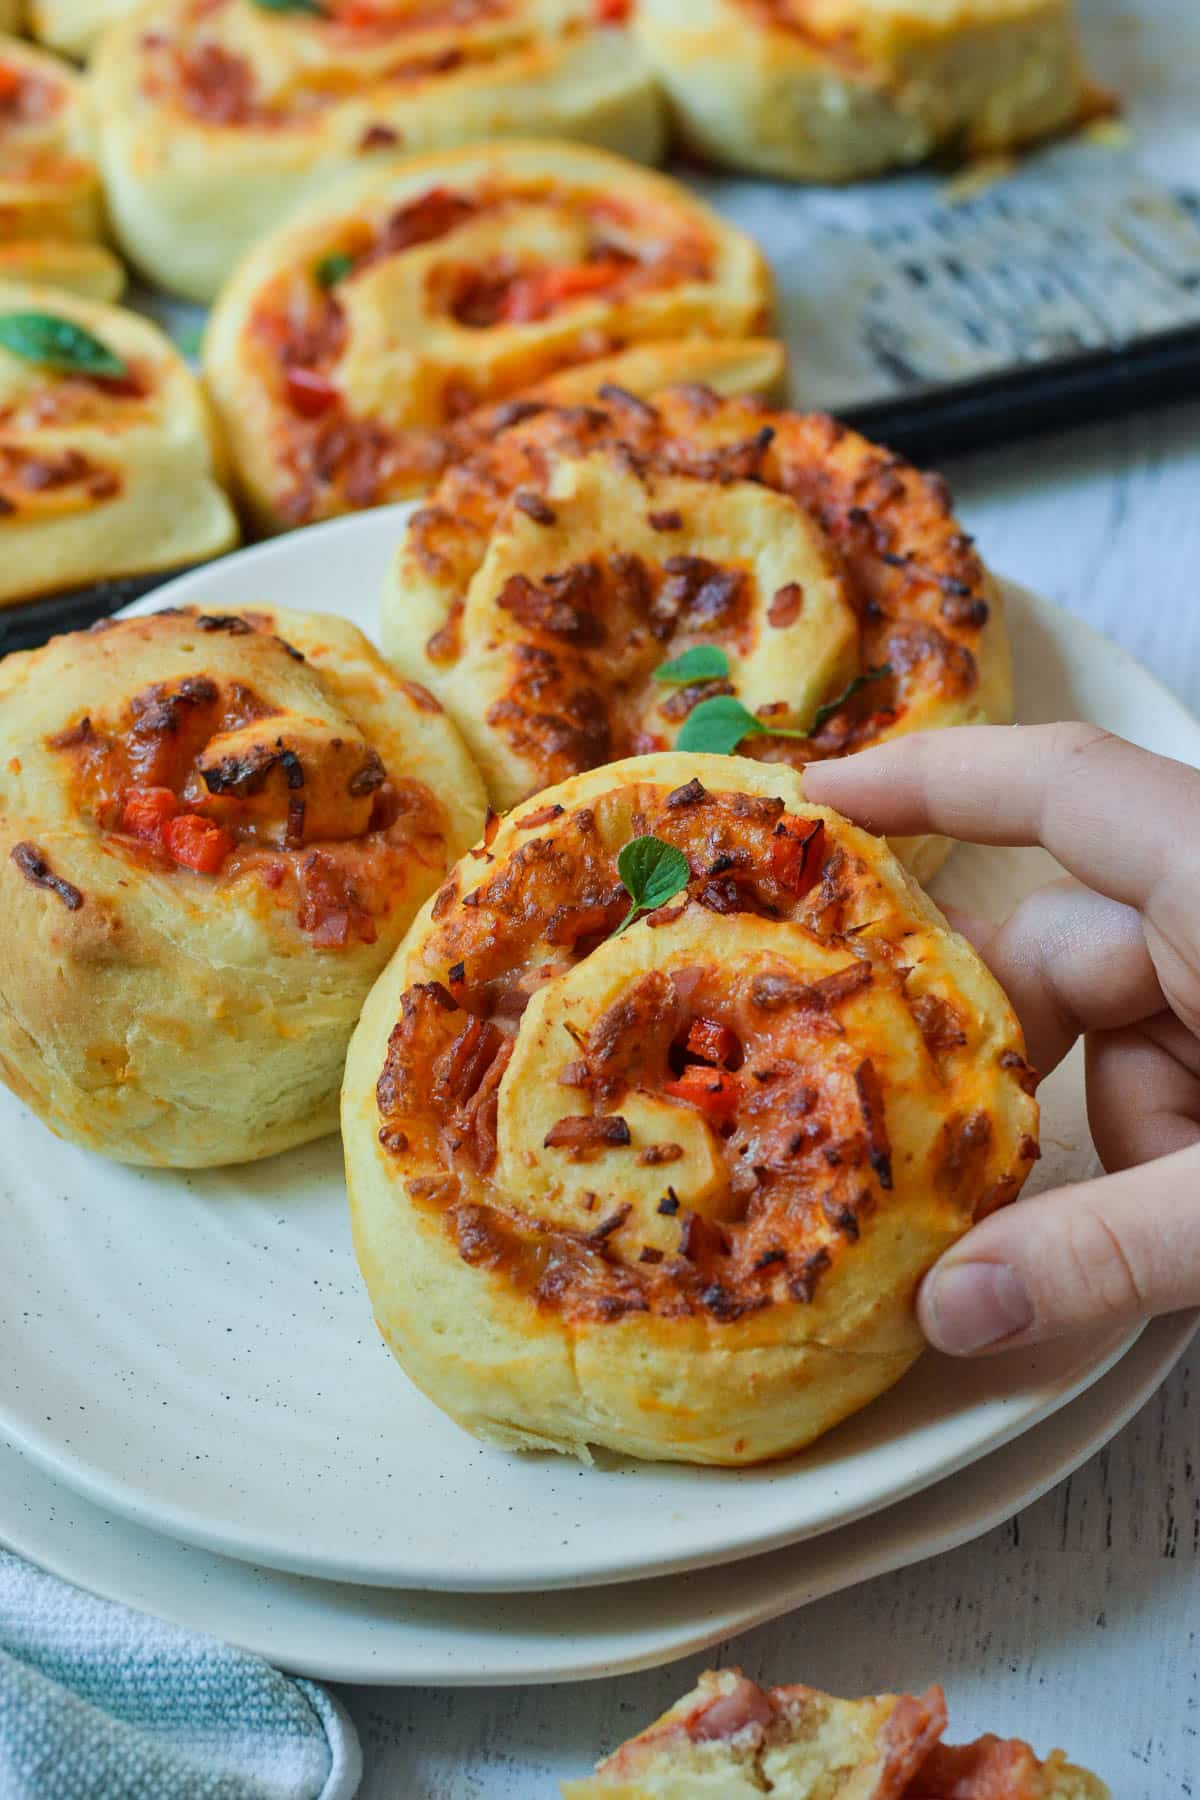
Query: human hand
(1112,954)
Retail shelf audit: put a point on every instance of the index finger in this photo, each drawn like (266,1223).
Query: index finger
(1119,818)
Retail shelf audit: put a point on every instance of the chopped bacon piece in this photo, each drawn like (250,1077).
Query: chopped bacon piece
(197,843)
(911,1732)
(461,1070)
(731,1713)
(712,1090)
(583,1133)
(308,393)
(543,291)
(870,1096)
(797,851)
(992,1769)
(147,812)
(712,1043)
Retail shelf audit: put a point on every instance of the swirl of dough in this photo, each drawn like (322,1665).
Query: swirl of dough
(51,212)
(554,581)
(102,474)
(214,831)
(352,352)
(832,90)
(218,115)
(672,1188)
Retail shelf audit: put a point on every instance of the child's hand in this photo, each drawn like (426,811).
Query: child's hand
(1113,954)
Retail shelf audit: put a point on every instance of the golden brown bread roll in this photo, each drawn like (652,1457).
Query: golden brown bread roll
(214,831)
(831,90)
(554,581)
(354,349)
(109,460)
(51,211)
(730,1739)
(670,1186)
(215,120)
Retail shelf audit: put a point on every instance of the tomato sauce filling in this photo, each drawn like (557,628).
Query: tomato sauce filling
(804,1145)
(152,785)
(300,329)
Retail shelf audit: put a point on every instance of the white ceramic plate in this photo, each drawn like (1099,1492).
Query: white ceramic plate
(335,1632)
(197,1353)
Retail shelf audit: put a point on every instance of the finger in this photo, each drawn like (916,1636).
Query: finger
(1070,962)
(1122,820)
(1143,1092)
(1106,1252)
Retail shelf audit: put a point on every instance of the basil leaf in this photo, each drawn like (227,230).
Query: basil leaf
(826,712)
(705,662)
(333,268)
(57,343)
(718,726)
(652,872)
(297,6)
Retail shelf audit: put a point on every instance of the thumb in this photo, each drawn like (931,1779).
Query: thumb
(1105,1252)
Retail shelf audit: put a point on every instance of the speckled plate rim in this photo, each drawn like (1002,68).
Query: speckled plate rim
(335,1632)
(1045,1381)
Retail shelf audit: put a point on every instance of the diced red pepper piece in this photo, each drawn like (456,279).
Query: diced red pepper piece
(797,853)
(11,81)
(712,1043)
(197,843)
(537,295)
(309,393)
(147,812)
(715,1092)
(613,12)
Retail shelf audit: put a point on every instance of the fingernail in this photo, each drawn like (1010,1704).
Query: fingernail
(975,1304)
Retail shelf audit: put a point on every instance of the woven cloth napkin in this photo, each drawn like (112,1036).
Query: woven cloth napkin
(101,1703)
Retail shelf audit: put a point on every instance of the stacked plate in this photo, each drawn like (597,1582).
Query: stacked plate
(198,1417)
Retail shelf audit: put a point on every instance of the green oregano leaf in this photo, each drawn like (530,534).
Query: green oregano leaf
(704,662)
(718,727)
(57,343)
(333,268)
(652,872)
(827,711)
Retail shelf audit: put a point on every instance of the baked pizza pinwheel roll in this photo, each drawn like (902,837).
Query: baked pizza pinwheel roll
(109,460)
(634,576)
(214,831)
(51,212)
(671,1097)
(832,90)
(353,350)
(733,1739)
(215,119)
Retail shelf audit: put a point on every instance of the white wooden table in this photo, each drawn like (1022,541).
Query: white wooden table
(1079,1622)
